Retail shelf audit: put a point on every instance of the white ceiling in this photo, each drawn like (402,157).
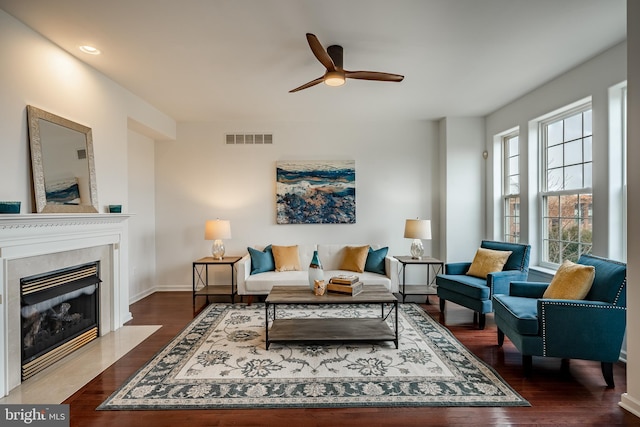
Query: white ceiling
(209,60)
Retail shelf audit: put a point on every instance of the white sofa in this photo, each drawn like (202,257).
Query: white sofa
(331,257)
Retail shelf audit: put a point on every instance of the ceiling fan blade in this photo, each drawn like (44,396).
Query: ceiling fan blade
(307,85)
(320,52)
(373,75)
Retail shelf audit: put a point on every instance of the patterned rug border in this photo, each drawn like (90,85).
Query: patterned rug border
(511,398)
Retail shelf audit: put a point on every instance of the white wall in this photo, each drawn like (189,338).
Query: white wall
(462,183)
(142,225)
(34,71)
(198,177)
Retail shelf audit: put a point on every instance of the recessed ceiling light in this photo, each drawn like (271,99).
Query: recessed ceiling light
(90,50)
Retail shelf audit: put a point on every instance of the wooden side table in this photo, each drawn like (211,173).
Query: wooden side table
(434,266)
(201,286)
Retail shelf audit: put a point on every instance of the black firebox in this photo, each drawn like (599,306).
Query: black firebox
(59,314)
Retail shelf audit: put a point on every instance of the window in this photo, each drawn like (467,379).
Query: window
(511,188)
(567,207)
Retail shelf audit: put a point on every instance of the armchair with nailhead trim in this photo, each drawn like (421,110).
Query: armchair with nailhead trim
(589,329)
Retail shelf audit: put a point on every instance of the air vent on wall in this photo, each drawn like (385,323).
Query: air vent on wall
(248,138)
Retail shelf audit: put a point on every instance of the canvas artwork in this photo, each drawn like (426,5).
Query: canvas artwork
(316,192)
(63,192)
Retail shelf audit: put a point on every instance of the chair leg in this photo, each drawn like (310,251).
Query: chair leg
(442,301)
(527,365)
(250,300)
(607,372)
(482,320)
(500,338)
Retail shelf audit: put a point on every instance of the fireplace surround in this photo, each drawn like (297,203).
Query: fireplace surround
(33,244)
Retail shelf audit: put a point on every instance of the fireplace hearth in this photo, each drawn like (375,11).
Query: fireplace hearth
(59,314)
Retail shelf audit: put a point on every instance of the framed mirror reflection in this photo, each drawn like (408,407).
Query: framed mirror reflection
(62,160)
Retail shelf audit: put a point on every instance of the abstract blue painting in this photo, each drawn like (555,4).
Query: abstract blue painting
(63,192)
(316,192)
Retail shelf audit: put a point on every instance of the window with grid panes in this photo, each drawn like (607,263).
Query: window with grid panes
(567,203)
(511,188)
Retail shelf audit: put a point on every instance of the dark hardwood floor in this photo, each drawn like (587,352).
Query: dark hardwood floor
(577,397)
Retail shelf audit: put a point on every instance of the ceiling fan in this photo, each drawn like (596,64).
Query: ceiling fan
(335,74)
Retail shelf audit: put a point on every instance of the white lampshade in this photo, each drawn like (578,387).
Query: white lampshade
(417,229)
(217,230)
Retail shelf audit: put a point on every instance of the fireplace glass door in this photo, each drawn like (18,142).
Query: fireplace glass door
(59,314)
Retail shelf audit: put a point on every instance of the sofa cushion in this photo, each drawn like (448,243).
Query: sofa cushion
(331,255)
(487,261)
(520,313)
(286,258)
(375,260)
(470,286)
(519,259)
(261,261)
(571,281)
(610,280)
(261,284)
(354,258)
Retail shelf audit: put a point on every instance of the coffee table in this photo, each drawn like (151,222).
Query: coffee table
(330,329)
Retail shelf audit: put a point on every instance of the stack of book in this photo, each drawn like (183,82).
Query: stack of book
(350,285)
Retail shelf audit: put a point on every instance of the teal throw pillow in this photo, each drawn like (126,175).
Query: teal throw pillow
(261,261)
(375,260)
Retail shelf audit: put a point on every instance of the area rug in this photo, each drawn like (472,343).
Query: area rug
(219,361)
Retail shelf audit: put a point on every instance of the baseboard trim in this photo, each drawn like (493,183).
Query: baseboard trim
(630,403)
(172,289)
(141,295)
(623,356)
(146,293)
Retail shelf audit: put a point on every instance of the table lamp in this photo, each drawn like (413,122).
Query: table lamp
(217,230)
(417,229)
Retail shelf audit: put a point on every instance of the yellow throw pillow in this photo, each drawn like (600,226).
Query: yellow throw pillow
(571,281)
(487,261)
(286,258)
(355,257)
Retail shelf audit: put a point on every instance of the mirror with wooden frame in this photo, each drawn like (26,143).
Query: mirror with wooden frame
(64,177)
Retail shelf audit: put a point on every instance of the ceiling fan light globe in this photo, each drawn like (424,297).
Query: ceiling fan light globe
(334,78)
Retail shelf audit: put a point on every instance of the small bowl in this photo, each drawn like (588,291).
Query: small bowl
(115,208)
(9,207)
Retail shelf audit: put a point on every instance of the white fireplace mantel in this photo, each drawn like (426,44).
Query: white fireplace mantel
(32,235)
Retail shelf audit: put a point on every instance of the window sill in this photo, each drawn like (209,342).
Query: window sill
(540,273)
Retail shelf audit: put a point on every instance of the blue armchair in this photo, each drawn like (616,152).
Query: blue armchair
(589,329)
(475,293)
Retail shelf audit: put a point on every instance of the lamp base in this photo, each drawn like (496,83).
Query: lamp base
(417,250)
(217,250)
